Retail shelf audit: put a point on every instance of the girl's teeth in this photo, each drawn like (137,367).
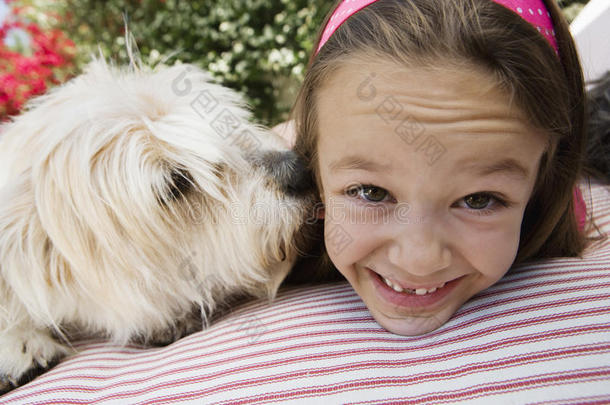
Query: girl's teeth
(391,285)
(419,291)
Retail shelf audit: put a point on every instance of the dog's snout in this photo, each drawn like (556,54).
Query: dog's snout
(287,169)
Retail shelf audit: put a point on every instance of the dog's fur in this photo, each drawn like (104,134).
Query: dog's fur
(128,204)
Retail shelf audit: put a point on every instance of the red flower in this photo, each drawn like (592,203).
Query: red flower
(28,76)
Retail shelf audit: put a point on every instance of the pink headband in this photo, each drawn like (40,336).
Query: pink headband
(532,11)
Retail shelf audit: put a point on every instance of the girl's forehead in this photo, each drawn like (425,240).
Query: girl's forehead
(454,94)
(392,114)
(436,78)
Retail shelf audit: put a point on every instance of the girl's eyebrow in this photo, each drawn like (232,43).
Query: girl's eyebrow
(508,166)
(355,162)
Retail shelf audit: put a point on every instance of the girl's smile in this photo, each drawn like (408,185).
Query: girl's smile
(425,176)
(411,297)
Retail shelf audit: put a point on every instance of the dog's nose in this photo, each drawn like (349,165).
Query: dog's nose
(287,169)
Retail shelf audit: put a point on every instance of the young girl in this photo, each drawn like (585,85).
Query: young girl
(446,139)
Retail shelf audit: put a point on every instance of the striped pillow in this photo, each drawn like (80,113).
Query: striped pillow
(541,335)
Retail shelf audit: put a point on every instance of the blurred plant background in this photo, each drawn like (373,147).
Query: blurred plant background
(571,8)
(258,47)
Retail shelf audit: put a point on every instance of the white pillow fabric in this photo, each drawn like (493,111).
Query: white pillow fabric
(540,336)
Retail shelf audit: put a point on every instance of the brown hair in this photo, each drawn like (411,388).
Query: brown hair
(548,88)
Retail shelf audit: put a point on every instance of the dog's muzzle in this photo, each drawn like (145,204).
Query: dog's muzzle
(287,169)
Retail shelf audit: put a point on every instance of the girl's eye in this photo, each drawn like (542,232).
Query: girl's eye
(477,201)
(484,203)
(368,193)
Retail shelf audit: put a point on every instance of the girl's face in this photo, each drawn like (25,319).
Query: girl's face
(425,179)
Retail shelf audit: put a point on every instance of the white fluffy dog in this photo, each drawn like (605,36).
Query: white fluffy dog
(131,200)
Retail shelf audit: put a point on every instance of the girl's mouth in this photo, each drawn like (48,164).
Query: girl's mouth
(417,291)
(422,298)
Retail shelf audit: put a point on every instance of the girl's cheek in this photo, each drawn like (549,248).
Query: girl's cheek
(489,250)
(349,233)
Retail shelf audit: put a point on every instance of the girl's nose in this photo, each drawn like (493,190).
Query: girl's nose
(420,248)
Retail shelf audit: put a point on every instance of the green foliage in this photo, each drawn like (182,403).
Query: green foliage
(258,47)
(568,3)
(571,8)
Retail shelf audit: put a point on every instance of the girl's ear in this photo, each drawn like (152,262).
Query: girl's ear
(320,212)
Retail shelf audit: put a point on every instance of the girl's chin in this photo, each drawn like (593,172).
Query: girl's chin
(409,325)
